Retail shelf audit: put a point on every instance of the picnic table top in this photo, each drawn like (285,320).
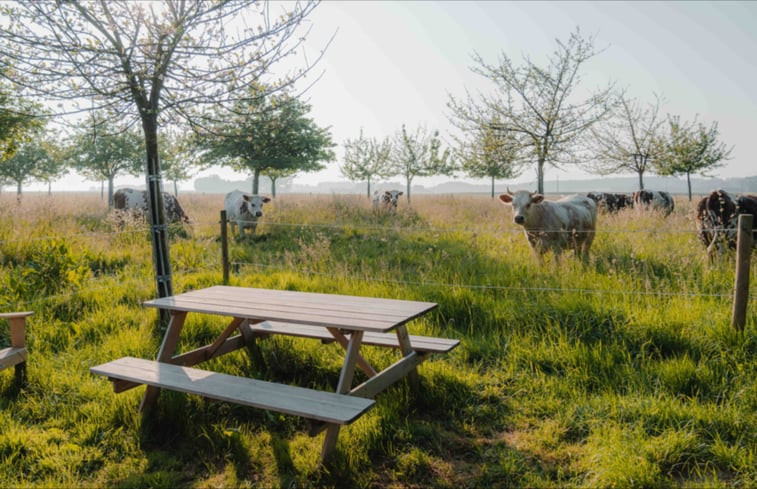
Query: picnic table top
(333,310)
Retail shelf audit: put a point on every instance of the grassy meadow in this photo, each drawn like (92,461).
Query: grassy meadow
(623,372)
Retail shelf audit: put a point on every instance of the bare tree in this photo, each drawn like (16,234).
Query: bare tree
(149,62)
(537,104)
(626,141)
(365,159)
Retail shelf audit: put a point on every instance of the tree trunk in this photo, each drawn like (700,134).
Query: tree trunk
(102,189)
(255,181)
(641,180)
(369,187)
(492,186)
(175,188)
(540,176)
(273,186)
(110,192)
(688,182)
(158,229)
(409,183)
(49,188)
(18,191)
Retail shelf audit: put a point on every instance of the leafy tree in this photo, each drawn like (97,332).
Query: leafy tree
(691,148)
(537,104)
(366,158)
(419,155)
(27,163)
(101,150)
(17,118)
(271,133)
(149,62)
(178,157)
(490,153)
(274,174)
(627,141)
(55,166)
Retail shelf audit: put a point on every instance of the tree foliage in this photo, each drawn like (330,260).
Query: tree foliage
(538,104)
(690,148)
(489,153)
(271,132)
(366,159)
(627,140)
(29,162)
(419,154)
(101,150)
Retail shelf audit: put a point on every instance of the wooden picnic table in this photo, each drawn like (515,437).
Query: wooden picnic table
(351,321)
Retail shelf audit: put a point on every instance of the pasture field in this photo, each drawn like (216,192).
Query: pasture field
(623,372)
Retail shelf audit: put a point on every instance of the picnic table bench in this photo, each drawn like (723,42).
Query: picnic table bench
(350,321)
(15,355)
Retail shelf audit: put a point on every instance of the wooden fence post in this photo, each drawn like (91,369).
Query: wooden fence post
(741,283)
(224,248)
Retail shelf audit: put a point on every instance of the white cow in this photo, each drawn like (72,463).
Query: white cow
(653,200)
(554,225)
(385,200)
(244,210)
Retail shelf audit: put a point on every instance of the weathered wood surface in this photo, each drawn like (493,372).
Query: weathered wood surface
(298,401)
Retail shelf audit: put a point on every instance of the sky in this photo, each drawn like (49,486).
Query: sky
(393,63)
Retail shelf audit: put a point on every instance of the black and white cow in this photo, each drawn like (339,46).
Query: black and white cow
(243,210)
(655,200)
(137,202)
(385,200)
(610,202)
(717,220)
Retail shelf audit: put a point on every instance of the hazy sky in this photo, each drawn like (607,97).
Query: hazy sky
(397,62)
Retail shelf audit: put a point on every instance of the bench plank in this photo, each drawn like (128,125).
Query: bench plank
(308,403)
(12,356)
(426,344)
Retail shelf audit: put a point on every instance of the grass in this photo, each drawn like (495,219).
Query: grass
(623,372)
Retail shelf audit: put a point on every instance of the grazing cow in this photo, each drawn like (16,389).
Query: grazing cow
(554,225)
(654,200)
(385,201)
(610,202)
(717,219)
(137,202)
(243,210)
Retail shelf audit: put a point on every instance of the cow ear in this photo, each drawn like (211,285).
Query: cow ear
(537,198)
(399,193)
(245,197)
(506,199)
(388,193)
(266,200)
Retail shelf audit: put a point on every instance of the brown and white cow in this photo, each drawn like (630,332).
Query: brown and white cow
(554,225)
(385,200)
(653,200)
(137,202)
(611,202)
(717,220)
(243,211)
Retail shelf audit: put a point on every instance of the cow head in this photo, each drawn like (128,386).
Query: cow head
(521,202)
(253,204)
(392,197)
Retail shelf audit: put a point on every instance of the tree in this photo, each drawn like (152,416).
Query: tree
(100,150)
(273,134)
(275,174)
(691,148)
(17,118)
(365,159)
(149,62)
(178,157)
(26,164)
(490,153)
(537,104)
(55,166)
(419,155)
(627,141)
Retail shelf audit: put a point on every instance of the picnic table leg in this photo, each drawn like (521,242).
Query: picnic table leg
(18,340)
(406,349)
(343,387)
(167,349)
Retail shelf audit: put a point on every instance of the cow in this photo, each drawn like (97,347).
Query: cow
(717,216)
(137,202)
(610,202)
(554,225)
(386,200)
(653,200)
(243,211)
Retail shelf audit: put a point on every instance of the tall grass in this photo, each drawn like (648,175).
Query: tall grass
(623,372)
